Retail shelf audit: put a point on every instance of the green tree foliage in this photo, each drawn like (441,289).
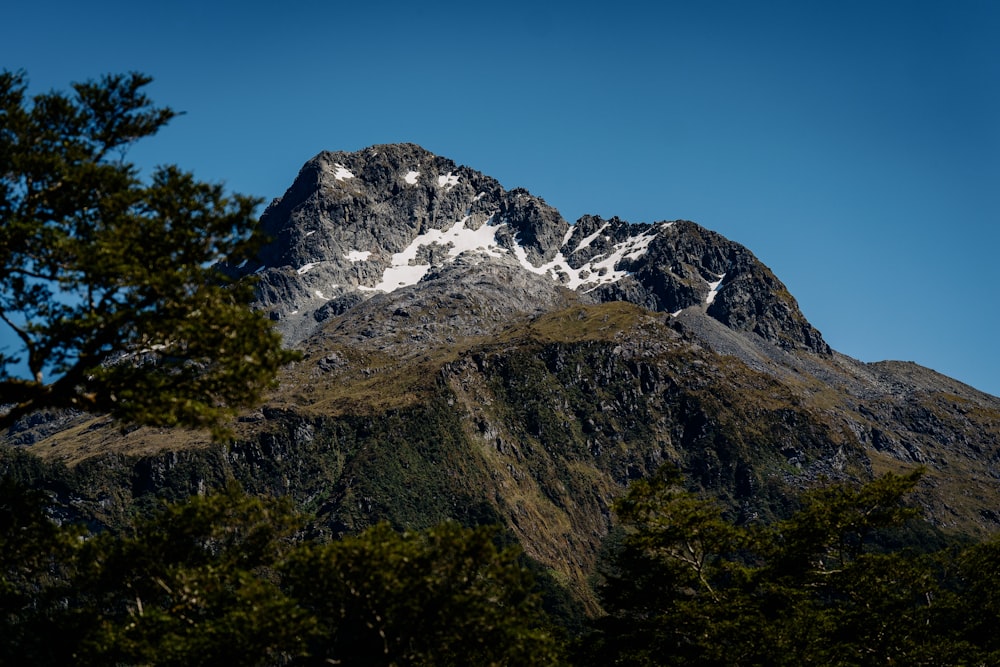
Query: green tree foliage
(682,585)
(228,579)
(446,596)
(106,279)
(35,557)
(193,585)
(975,611)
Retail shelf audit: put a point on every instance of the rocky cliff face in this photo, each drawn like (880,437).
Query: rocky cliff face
(470,354)
(356,224)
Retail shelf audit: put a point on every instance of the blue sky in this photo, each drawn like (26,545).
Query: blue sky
(853,146)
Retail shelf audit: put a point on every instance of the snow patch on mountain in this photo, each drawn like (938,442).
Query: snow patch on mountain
(341,172)
(358,255)
(449,180)
(636,247)
(590,239)
(569,234)
(713,288)
(600,270)
(411,177)
(403,269)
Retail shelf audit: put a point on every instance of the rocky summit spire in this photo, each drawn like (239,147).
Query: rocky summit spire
(353,225)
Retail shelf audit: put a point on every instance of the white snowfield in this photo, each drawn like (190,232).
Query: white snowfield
(405,269)
(598,271)
(341,172)
(358,255)
(590,239)
(449,180)
(713,288)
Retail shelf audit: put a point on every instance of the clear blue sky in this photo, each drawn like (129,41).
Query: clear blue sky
(853,146)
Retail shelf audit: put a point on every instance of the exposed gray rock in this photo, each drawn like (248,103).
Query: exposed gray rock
(474,296)
(357,224)
(539,227)
(687,266)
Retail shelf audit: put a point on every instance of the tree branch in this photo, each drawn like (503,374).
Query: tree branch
(29,344)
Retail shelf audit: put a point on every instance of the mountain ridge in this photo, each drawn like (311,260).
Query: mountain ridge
(458,362)
(381,218)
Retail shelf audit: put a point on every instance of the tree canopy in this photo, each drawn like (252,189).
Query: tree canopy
(850,578)
(229,579)
(106,278)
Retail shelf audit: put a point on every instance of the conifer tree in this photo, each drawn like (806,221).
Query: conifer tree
(106,278)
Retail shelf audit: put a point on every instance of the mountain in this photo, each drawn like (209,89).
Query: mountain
(354,224)
(468,353)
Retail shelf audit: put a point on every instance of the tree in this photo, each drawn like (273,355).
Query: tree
(445,596)
(674,582)
(231,579)
(106,280)
(826,586)
(35,558)
(194,584)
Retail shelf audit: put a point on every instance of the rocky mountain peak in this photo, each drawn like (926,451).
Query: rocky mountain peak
(468,354)
(353,225)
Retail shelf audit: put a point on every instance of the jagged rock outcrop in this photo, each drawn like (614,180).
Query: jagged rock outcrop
(356,224)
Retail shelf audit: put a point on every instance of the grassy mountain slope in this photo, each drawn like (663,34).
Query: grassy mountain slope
(540,426)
